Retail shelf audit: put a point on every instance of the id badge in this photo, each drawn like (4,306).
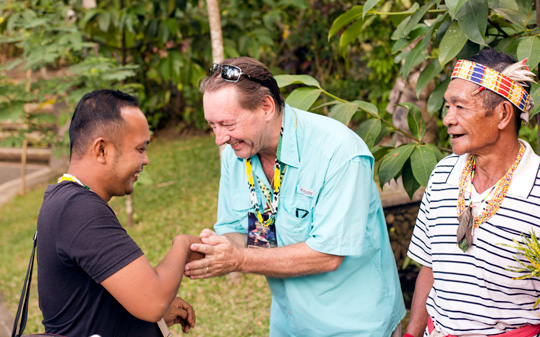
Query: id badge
(260,236)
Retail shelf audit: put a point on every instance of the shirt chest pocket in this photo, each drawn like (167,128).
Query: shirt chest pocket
(240,206)
(295,216)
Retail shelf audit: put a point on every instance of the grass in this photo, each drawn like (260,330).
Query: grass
(177,193)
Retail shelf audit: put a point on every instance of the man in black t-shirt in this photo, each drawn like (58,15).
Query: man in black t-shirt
(92,277)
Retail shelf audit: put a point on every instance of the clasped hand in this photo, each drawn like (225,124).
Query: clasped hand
(180,311)
(220,256)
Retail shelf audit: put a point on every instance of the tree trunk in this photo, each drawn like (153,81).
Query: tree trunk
(215,30)
(214,21)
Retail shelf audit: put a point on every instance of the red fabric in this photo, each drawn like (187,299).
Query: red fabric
(524,331)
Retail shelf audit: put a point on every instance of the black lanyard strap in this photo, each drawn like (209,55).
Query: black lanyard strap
(22,310)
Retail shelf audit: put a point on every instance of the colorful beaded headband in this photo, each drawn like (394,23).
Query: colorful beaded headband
(497,82)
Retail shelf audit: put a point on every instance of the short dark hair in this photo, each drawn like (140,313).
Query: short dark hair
(498,61)
(251,93)
(98,112)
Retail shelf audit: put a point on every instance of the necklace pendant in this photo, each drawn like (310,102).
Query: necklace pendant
(464,231)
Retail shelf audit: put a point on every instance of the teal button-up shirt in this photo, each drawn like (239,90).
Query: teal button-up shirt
(329,175)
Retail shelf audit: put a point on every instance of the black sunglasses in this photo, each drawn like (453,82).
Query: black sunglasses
(232,73)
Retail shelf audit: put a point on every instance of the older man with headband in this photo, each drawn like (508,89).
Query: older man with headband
(298,204)
(478,202)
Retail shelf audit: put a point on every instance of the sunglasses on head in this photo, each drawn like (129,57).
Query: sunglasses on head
(232,73)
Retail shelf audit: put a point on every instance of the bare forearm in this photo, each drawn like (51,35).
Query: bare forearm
(289,261)
(228,253)
(171,268)
(419,315)
(146,292)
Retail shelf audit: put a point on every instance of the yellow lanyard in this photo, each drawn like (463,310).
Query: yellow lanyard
(69,177)
(277,186)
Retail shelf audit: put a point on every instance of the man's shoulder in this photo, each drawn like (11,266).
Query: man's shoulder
(448,162)
(73,197)
(328,135)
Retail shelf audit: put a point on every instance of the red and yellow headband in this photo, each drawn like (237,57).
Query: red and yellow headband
(497,82)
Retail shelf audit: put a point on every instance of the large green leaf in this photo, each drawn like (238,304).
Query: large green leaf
(414,58)
(472,18)
(418,53)
(454,6)
(369,5)
(529,48)
(423,160)
(104,20)
(285,80)
(343,112)
(438,154)
(436,99)
(350,34)
(428,74)
(535,94)
(393,162)
(409,181)
(451,43)
(345,19)
(505,45)
(303,98)
(367,107)
(417,16)
(379,152)
(369,131)
(415,121)
(334,102)
(517,12)
(398,32)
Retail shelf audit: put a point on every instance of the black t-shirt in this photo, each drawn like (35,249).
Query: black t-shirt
(80,244)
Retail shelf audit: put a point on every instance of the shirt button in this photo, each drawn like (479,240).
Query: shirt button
(500,326)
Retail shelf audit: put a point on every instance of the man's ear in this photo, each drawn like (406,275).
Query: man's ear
(99,150)
(269,107)
(505,110)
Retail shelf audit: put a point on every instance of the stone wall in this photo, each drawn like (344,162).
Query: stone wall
(400,221)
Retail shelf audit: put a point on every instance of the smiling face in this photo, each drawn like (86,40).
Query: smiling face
(244,130)
(130,154)
(471,127)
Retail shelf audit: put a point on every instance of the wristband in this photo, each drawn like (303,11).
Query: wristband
(408,335)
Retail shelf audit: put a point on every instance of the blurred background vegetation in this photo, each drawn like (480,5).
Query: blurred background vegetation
(379,66)
(160,49)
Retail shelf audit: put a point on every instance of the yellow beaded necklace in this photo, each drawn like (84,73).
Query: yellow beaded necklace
(466,221)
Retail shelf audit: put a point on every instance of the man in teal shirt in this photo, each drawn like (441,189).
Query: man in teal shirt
(298,204)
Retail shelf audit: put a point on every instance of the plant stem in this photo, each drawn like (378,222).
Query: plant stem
(390,125)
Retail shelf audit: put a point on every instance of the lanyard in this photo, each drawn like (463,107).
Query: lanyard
(277,185)
(69,177)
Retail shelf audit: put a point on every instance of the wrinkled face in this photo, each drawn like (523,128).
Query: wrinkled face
(472,129)
(244,130)
(130,155)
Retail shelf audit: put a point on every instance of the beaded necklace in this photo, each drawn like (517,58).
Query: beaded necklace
(272,203)
(466,221)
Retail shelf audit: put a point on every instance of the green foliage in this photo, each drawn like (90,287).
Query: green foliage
(528,257)
(431,33)
(54,50)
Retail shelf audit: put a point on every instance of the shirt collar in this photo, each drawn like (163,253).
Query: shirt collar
(289,145)
(524,176)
